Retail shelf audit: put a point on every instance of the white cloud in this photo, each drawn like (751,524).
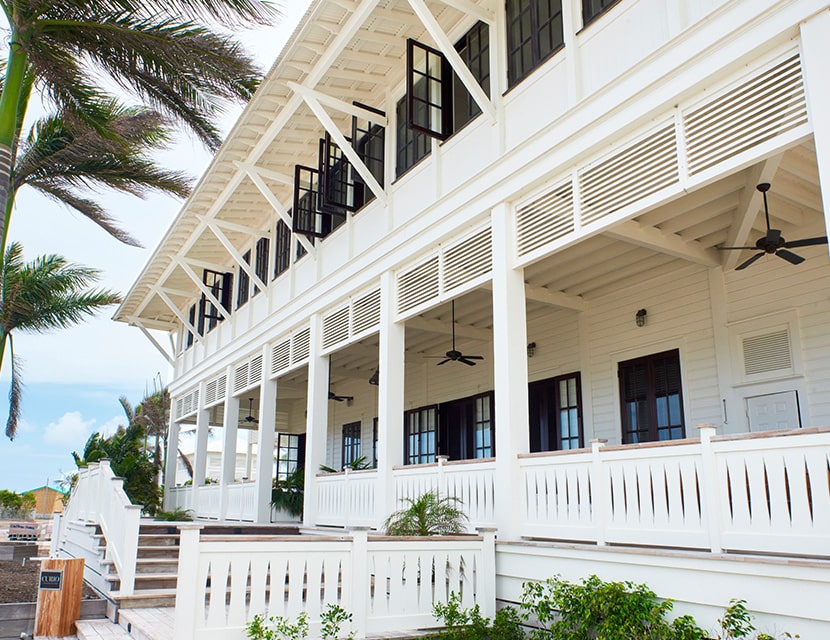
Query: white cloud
(111,425)
(70,430)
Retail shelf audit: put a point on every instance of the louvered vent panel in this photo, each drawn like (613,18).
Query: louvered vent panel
(634,173)
(545,219)
(468,260)
(255,372)
(336,327)
(418,285)
(240,378)
(195,400)
(210,392)
(366,312)
(188,404)
(300,346)
(221,387)
(280,356)
(768,105)
(768,352)
(179,407)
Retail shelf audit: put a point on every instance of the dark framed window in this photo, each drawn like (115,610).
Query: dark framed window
(555,407)
(191,315)
(593,8)
(375,443)
(651,398)
(263,246)
(474,49)
(466,427)
(428,90)
(290,453)
(350,446)
(220,285)
(337,187)
(282,250)
(483,427)
(369,141)
(419,443)
(309,216)
(243,282)
(412,145)
(534,33)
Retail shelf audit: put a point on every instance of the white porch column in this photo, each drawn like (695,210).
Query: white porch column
(200,451)
(317,418)
(815,52)
(172,453)
(510,373)
(390,399)
(265,448)
(230,425)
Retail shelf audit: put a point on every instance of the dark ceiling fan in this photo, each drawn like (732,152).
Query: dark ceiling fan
(454,355)
(773,242)
(249,419)
(333,395)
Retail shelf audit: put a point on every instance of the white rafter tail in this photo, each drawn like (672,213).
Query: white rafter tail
(661,242)
(237,257)
(752,201)
(282,210)
(341,105)
(203,288)
(471,9)
(338,137)
(138,323)
(446,47)
(201,264)
(233,226)
(178,312)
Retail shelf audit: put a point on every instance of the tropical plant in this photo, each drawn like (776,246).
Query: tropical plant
(277,628)
(178,514)
(468,624)
(153,413)
(155,49)
(39,296)
(287,495)
(358,464)
(427,515)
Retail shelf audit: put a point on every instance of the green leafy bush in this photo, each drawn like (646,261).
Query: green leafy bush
(288,495)
(15,505)
(176,515)
(427,515)
(281,628)
(469,624)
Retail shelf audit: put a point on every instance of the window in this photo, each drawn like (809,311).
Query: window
(652,404)
(556,413)
(219,285)
(243,284)
(374,443)
(310,217)
(282,253)
(474,49)
(290,453)
(191,315)
(534,33)
(466,427)
(592,8)
(350,450)
(412,145)
(263,245)
(419,444)
(483,427)
(368,140)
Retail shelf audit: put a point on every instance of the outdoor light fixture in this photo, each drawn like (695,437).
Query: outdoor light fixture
(531,349)
(640,318)
(375,379)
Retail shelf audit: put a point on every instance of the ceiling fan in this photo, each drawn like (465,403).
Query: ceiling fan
(333,395)
(249,419)
(454,355)
(773,242)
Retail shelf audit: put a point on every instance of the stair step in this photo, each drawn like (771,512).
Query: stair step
(158,551)
(145,599)
(100,630)
(148,623)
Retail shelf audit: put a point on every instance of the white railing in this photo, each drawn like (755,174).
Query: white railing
(98,497)
(242,501)
(209,501)
(180,498)
(755,493)
(386,584)
(347,498)
(471,481)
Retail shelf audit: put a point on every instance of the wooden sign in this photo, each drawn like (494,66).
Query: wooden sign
(59,596)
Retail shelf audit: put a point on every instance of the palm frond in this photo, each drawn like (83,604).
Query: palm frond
(15,393)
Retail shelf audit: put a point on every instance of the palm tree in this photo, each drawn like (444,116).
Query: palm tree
(427,515)
(39,296)
(158,50)
(154,415)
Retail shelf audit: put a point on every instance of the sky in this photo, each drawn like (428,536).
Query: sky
(73,378)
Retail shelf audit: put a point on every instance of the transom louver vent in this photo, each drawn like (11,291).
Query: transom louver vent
(221,387)
(255,371)
(468,260)
(366,312)
(179,407)
(755,111)
(300,346)
(248,374)
(418,285)
(187,404)
(240,378)
(336,327)
(210,392)
(281,356)
(767,353)
(546,218)
(637,171)
(215,391)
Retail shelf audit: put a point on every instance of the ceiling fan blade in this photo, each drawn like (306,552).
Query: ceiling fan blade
(444,361)
(806,242)
(735,248)
(789,256)
(754,258)
(469,363)
(474,357)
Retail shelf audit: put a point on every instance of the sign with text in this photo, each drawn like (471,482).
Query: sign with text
(51,580)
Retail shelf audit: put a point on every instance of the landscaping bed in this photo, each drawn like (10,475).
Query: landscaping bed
(18,582)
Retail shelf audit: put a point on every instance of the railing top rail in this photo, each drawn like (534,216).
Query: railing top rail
(771,434)
(254,538)
(448,463)
(652,445)
(352,472)
(431,539)
(553,454)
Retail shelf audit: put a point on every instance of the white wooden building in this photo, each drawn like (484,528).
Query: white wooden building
(550,185)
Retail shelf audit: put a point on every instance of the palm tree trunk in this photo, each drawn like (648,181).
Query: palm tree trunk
(13,91)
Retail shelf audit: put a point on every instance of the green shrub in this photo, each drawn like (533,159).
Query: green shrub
(176,515)
(288,495)
(427,515)
(281,628)
(469,624)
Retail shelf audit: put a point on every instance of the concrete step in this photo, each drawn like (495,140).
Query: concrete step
(145,599)
(147,581)
(151,623)
(158,539)
(158,551)
(100,630)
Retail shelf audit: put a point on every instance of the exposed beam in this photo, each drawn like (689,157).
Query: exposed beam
(445,328)
(668,243)
(182,318)
(177,292)
(202,264)
(555,298)
(223,239)
(150,323)
(204,289)
(276,176)
(347,149)
(752,201)
(471,9)
(446,46)
(239,228)
(136,322)
(341,105)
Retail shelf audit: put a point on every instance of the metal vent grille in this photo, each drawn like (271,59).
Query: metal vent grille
(637,171)
(187,404)
(366,312)
(545,219)
(221,387)
(336,327)
(418,285)
(210,392)
(469,259)
(761,108)
(240,378)
(255,372)
(280,356)
(300,346)
(179,407)
(767,353)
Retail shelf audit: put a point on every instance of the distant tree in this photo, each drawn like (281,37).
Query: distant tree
(153,413)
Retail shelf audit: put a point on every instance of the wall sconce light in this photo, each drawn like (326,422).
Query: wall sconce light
(531,349)
(375,379)
(640,318)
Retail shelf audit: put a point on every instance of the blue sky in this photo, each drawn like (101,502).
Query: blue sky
(73,378)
